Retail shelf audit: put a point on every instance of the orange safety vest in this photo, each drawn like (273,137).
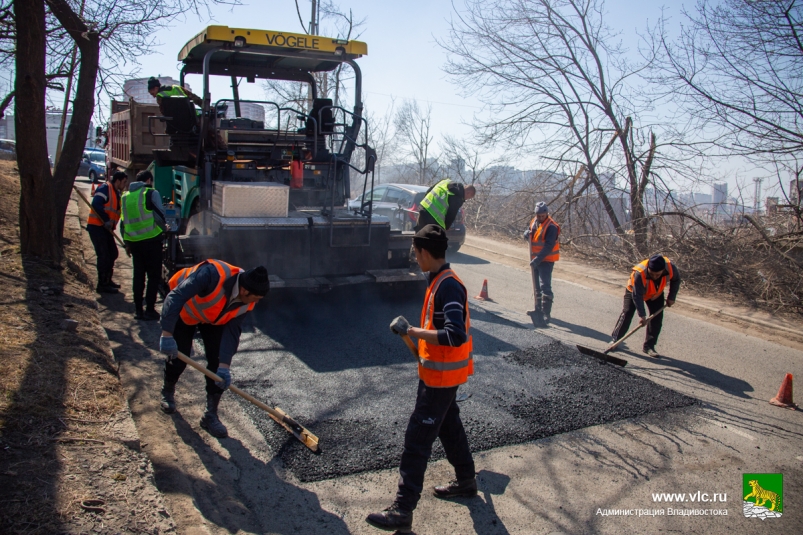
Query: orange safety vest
(209,309)
(537,234)
(651,291)
(443,366)
(111,207)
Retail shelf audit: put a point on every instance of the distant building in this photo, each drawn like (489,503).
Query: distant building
(795,190)
(771,205)
(248,110)
(702,198)
(719,193)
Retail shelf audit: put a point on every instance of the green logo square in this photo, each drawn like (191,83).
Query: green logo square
(763,495)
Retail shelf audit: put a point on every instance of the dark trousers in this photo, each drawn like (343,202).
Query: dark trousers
(105,250)
(436,415)
(424,219)
(147,257)
(211,336)
(653,327)
(542,282)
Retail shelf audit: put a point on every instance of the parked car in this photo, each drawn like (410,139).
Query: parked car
(8,149)
(400,203)
(93,165)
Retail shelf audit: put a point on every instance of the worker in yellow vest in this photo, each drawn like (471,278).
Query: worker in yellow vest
(159,91)
(100,225)
(142,228)
(444,363)
(442,202)
(647,282)
(212,297)
(543,235)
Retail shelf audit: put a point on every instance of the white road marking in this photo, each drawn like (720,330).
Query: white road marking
(731,429)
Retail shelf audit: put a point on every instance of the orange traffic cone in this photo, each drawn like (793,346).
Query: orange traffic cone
(784,397)
(484,292)
(92,193)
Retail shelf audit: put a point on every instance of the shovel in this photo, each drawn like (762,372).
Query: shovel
(604,356)
(295,428)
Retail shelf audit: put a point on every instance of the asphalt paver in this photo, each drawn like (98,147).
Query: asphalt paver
(331,362)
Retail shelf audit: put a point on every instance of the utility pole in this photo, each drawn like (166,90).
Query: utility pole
(60,140)
(313,30)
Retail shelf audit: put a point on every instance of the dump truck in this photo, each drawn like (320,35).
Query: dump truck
(269,191)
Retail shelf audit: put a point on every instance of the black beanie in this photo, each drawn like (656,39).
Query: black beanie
(256,281)
(153,82)
(434,236)
(656,263)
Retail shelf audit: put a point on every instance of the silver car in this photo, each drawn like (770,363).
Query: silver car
(93,165)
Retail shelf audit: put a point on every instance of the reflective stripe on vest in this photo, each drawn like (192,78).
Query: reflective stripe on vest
(138,222)
(174,91)
(651,291)
(111,207)
(209,309)
(436,202)
(537,236)
(443,366)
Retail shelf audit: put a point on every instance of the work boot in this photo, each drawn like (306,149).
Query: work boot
(457,489)
(392,519)
(547,308)
(111,282)
(104,287)
(138,313)
(168,402)
(651,352)
(151,315)
(210,421)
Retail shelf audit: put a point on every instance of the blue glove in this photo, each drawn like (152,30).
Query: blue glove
(168,346)
(225,374)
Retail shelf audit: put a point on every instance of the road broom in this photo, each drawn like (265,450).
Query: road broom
(604,356)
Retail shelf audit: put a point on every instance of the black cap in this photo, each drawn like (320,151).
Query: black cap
(432,233)
(256,281)
(153,82)
(656,263)
(119,175)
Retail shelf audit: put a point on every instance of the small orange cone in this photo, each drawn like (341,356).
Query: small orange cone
(92,193)
(784,397)
(484,292)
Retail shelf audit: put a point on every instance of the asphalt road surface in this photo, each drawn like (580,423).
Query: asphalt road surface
(332,362)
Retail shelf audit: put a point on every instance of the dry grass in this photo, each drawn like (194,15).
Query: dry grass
(54,383)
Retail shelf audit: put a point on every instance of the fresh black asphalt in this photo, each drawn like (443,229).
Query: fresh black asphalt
(330,361)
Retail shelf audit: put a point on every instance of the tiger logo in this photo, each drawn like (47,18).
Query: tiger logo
(762,496)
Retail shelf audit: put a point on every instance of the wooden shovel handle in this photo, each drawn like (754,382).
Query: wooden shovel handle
(410,345)
(89,204)
(625,337)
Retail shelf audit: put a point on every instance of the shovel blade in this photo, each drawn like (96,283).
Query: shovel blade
(602,356)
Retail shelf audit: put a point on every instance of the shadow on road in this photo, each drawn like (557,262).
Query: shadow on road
(463,258)
(227,498)
(581,330)
(701,374)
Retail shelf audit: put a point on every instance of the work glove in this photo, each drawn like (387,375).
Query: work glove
(225,374)
(535,262)
(400,326)
(527,234)
(168,346)
(109,225)
(128,250)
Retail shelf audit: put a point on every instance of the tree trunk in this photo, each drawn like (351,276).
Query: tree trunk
(88,43)
(40,223)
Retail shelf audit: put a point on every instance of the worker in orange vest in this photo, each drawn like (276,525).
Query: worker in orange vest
(100,225)
(444,363)
(543,235)
(646,285)
(212,297)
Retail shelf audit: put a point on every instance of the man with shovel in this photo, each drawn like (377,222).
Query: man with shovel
(543,235)
(647,283)
(213,297)
(444,363)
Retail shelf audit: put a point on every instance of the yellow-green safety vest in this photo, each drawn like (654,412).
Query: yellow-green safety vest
(138,222)
(436,201)
(173,91)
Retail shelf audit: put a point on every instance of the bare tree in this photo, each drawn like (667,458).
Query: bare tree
(739,65)
(123,27)
(414,135)
(556,83)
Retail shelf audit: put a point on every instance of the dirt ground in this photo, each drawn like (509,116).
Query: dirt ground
(71,458)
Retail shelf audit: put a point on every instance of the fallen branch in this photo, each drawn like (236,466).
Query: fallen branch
(766,237)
